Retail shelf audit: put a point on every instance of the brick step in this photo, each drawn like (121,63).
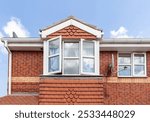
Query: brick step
(69,100)
(88,96)
(81,91)
(64,92)
(75,89)
(70,85)
(79,103)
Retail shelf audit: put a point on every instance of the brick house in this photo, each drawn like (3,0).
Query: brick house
(71,63)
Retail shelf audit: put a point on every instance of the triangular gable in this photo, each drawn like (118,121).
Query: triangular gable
(71,22)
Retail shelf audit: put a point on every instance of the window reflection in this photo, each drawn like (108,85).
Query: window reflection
(71,66)
(53,63)
(88,65)
(124,71)
(124,58)
(139,70)
(88,48)
(139,58)
(71,49)
(54,47)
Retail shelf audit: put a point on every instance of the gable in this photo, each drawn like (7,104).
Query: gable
(73,33)
(71,22)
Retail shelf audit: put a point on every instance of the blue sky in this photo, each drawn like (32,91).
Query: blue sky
(117,18)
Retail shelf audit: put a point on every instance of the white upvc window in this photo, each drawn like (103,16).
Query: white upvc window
(139,64)
(88,54)
(79,57)
(54,55)
(132,64)
(71,57)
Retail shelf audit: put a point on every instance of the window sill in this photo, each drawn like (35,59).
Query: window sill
(60,75)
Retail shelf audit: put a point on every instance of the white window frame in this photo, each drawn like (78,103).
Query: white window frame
(96,57)
(124,64)
(91,57)
(132,64)
(59,54)
(63,56)
(140,65)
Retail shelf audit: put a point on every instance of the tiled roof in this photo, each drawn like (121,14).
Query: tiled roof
(19,100)
(70,17)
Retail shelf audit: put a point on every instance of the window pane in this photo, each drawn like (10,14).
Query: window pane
(139,70)
(88,48)
(124,59)
(71,66)
(88,65)
(53,64)
(124,71)
(139,58)
(54,47)
(71,49)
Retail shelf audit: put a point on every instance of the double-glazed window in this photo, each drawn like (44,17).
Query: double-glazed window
(54,55)
(132,64)
(88,57)
(72,57)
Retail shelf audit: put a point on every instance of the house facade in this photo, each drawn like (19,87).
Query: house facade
(72,64)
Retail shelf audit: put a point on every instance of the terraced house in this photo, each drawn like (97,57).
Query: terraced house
(71,63)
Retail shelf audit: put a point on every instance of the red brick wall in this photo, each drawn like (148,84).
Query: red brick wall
(118,92)
(27,63)
(71,90)
(105,60)
(127,93)
(25,87)
(72,32)
(77,90)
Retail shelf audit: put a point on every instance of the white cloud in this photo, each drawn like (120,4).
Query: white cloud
(120,33)
(15,25)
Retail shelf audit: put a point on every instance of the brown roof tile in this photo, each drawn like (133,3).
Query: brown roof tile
(19,100)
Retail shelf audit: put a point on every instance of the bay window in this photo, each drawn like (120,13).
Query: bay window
(132,64)
(72,57)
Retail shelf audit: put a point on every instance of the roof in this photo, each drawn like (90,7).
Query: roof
(22,39)
(74,18)
(125,44)
(125,41)
(71,21)
(19,100)
(26,44)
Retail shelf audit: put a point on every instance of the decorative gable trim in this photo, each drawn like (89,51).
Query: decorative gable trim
(74,22)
